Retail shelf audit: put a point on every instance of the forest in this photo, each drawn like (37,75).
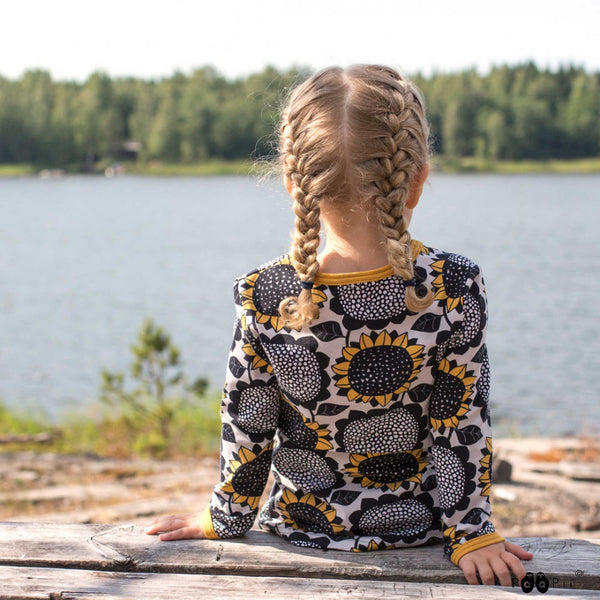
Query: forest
(514,112)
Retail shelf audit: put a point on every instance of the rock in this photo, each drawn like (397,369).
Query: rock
(502,471)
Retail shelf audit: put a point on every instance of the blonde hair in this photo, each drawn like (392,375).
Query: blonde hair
(354,135)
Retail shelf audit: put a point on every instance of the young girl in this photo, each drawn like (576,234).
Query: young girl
(359,376)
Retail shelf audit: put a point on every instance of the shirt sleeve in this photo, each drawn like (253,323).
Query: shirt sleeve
(460,422)
(250,408)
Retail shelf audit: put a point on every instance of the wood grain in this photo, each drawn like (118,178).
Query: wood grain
(124,560)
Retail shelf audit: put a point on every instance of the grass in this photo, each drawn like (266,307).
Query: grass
(17,170)
(209,167)
(98,430)
(475,165)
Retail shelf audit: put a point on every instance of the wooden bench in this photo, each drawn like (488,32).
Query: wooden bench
(67,561)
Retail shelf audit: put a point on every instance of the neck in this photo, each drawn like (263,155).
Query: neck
(354,242)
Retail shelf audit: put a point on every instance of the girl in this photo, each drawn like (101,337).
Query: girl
(359,376)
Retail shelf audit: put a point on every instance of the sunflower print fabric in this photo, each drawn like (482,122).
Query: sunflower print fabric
(374,420)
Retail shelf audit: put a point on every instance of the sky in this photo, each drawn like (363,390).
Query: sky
(150,39)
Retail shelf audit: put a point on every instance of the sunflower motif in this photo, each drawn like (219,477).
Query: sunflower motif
(257,405)
(378,369)
(373,546)
(385,429)
(450,533)
(247,475)
(306,469)
(450,394)
(455,474)
(450,283)
(300,367)
(387,469)
(256,356)
(308,513)
(395,517)
(377,302)
(306,434)
(299,538)
(453,539)
(486,464)
(266,288)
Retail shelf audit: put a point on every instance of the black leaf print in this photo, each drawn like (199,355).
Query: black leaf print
(420,274)
(468,435)
(330,330)
(344,497)
(237,333)
(427,322)
(420,393)
(442,336)
(480,355)
(330,410)
(474,516)
(485,412)
(430,483)
(227,433)
(235,366)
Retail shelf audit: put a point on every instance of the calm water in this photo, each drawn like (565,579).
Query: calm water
(83,260)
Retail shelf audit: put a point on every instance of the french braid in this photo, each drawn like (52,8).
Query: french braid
(392,191)
(301,309)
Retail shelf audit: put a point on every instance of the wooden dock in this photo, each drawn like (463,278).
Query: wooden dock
(57,561)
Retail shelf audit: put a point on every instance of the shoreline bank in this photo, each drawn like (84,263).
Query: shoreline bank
(215,167)
(532,493)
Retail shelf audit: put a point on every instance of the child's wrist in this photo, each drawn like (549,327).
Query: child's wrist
(207,524)
(474,544)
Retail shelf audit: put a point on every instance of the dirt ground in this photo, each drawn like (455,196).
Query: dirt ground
(541,487)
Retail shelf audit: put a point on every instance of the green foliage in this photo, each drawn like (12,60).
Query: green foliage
(96,429)
(163,416)
(513,113)
(148,411)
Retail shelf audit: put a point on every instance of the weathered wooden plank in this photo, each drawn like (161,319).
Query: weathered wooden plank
(34,583)
(260,553)
(575,470)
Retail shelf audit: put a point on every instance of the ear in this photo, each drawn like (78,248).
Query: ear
(417,187)
(288,184)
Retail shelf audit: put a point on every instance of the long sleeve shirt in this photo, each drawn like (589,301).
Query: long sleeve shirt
(374,420)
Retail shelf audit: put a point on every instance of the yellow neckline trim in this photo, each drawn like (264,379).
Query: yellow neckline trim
(361,276)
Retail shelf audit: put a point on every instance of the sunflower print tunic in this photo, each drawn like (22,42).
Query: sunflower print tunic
(373,419)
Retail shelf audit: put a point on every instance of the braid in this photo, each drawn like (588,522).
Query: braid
(392,190)
(297,310)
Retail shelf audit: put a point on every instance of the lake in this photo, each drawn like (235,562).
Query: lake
(85,258)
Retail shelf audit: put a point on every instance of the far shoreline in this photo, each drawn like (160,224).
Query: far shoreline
(216,167)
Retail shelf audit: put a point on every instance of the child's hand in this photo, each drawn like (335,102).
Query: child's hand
(177,527)
(495,559)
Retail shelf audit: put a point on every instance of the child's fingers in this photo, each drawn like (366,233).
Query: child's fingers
(468,567)
(486,573)
(518,550)
(516,566)
(180,534)
(500,568)
(165,524)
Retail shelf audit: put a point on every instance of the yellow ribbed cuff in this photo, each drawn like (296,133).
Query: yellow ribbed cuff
(207,525)
(474,544)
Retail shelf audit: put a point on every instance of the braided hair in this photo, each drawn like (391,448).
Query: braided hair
(349,136)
